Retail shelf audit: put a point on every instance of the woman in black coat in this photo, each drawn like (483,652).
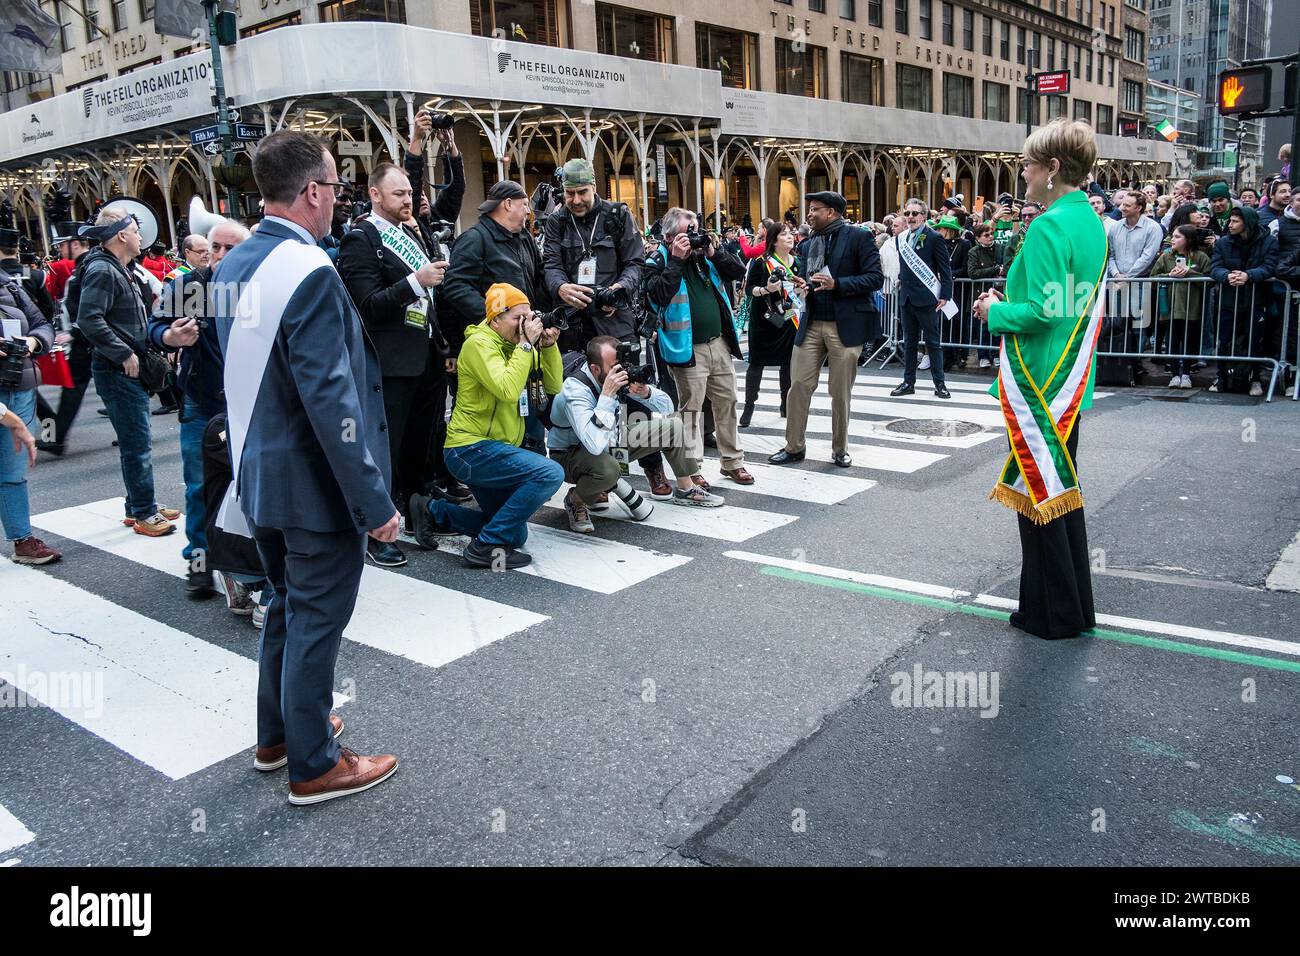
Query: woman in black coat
(771,314)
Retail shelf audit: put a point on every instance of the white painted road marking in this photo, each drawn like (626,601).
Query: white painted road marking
(1285,575)
(874,431)
(794,484)
(12,833)
(905,460)
(728,523)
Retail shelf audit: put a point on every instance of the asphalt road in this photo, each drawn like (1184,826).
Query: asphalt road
(721,709)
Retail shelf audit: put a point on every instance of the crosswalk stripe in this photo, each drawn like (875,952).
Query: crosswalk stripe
(882,380)
(796,484)
(876,431)
(882,391)
(729,523)
(168,699)
(584,561)
(12,832)
(421,621)
(987,417)
(904,460)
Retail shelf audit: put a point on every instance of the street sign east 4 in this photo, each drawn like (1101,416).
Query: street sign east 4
(1244,90)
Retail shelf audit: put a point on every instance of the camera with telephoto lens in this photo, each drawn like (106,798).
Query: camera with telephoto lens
(628,355)
(11,366)
(603,297)
(440,120)
(555,319)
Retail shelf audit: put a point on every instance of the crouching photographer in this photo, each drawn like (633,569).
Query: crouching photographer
(588,438)
(508,365)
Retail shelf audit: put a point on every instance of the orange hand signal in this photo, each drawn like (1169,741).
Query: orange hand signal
(1232,90)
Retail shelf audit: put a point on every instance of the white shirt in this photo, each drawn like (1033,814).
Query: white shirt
(306,236)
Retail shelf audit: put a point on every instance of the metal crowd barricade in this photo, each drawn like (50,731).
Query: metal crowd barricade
(1170,321)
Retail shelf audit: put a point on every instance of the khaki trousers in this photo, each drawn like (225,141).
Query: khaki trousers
(593,475)
(821,340)
(714,378)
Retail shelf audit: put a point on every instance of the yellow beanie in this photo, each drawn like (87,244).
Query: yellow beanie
(502,296)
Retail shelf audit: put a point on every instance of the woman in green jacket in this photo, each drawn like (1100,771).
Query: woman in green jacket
(1178,304)
(1048,320)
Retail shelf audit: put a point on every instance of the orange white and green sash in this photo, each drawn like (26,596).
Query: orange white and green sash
(1039,479)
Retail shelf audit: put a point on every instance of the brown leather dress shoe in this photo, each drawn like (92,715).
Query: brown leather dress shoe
(739,475)
(352,774)
(273,758)
(700,482)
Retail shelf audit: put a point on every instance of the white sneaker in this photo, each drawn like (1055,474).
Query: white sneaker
(239,599)
(985,363)
(1175,381)
(259,615)
(997,362)
(925,362)
(1186,381)
(1256,389)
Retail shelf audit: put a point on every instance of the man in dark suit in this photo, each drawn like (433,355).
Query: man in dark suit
(840,272)
(310,460)
(390,273)
(924,288)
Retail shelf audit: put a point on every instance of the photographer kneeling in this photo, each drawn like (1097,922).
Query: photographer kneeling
(585,430)
(508,364)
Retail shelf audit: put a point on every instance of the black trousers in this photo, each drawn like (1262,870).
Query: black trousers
(921,321)
(69,398)
(1055,572)
(754,381)
(412,407)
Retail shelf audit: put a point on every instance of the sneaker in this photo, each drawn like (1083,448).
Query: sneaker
(1185,382)
(32,550)
(925,362)
(997,362)
(601,503)
(660,489)
(239,599)
(1175,381)
(199,583)
(495,556)
(55,448)
(424,528)
(697,497)
(259,615)
(171,514)
(579,517)
(985,363)
(155,526)
(451,490)
(384,553)
(1256,389)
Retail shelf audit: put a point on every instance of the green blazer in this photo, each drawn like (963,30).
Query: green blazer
(1068,240)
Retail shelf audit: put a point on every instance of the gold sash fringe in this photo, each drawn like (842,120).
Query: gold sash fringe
(1042,514)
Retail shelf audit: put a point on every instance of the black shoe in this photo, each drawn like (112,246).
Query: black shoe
(102,411)
(384,553)
(451,490)
(746,416)
(783,409)
(903,389)
(199,583)
(53,447)
(941,391)
(710,441)
(495,556)
(784,457)
(166,410)
(842,459)
(423,526)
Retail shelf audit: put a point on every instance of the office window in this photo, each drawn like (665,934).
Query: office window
(289,20)
(621,31)
(968,30)
(1078,62)
(875,14)
(528,21)
(90,14)
(914,92)
(1051,53)
(986,38)
(1134,45)
(66,42)
(1132,96)
(788,3)
(1036,51)
(1089,69)
(146,10)
(901,17)
(861,79)
(997,102)
(817,6)
(947,24)
(1105,119)
(848,9)
(1020,45)
(1111,79)
(1083,110)
(800,73)
(119,15)
(925,14)
(1004,46)
(731,52)
(1057,106)
(363,11)
(958,95)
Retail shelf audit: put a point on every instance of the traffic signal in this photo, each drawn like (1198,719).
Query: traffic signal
(1246,89)
(227,29)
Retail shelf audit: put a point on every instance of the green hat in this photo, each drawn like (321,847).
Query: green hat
(577,173)
(948,222)
(1218,191)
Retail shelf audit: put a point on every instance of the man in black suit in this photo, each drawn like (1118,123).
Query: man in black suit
(840,272)
(389,273)
(924,288)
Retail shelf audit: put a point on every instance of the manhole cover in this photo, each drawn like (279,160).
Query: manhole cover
(932,426)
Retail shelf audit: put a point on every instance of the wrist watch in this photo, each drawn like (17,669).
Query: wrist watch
(526,345)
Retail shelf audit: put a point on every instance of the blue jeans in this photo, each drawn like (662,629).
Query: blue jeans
(196,516)
(15,512)
(128,409)
(508,483)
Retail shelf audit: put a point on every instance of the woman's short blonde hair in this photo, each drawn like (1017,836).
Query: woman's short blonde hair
(1072,143)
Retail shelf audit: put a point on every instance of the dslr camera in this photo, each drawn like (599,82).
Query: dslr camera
(11,366)
(556,318)
(603,297)
(440,120)
(699,240)
(629,357)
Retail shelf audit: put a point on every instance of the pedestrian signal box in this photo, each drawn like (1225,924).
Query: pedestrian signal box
(1244,90)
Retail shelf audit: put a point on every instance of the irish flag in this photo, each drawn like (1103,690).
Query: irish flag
(1166,129)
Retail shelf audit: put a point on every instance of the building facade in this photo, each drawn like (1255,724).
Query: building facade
(880,98)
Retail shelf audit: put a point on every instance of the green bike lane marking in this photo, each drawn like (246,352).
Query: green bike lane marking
(1123,637)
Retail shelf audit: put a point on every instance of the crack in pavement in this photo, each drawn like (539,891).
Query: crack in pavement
(85,640)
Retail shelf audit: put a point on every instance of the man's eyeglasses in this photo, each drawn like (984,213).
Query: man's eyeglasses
(339,188)
(913,212)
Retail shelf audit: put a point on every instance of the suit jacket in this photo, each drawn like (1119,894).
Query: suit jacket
(855,264)
(934,253)
(379,285)
(316,454)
